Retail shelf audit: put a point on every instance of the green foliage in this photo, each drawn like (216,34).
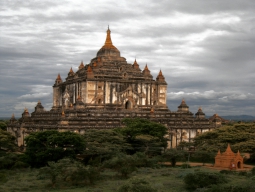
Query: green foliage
(102,145)
(7,141)
(203,156)
(122,163)
(141,160)
(240,137)
(217,188)
(3,125)
(253,171)
(69,171)
(136,185)
(185,166)
(12,161)
(203,179)
(3,178)
(45,146)
(174,155)
(135,127)
(144,135)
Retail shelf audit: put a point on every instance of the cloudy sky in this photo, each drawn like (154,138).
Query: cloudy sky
(206,49)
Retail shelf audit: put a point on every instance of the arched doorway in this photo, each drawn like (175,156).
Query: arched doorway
(128,105)
(99,101)
(239,165)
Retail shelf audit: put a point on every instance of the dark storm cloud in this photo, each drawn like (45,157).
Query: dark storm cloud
(204,48)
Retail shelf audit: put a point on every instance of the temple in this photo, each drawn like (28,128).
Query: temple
(229,159)
(103,92)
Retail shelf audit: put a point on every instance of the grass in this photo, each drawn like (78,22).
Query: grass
(165,179)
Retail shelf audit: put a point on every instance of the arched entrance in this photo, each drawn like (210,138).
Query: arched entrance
(239,165)
(128,105)
(99,101)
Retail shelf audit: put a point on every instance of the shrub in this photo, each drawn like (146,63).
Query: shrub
(123,164)
(242,173)
(227,172)
(19,165)
(217,188)
(3,178)
(136,185)
(185,166)
(253,171)
(203,179)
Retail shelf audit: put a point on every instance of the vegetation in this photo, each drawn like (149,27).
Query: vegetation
(3,125)
(239,136)
(42,147)
(101,160)
(203,179)
(7,141)
(144,136)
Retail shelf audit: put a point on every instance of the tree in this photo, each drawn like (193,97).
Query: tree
(122,163)
(45,146)
(3,125)
(174,155)
(239,136)
(204,156)
(103,144)
(7,141)
(144,135)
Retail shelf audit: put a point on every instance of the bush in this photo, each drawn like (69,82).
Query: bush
(227,172)
(136,185)
(203,179)
(217,188)
(3,178)
(19,165)
(242,173)
(123,164)
(253,171)
(185,166)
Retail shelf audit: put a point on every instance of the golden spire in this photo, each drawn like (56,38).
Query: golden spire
(183,101)
(71,70)
(108,41)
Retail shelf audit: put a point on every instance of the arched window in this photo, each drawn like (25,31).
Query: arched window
(99,101)
(128,105)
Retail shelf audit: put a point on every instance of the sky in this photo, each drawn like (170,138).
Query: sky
(205,49)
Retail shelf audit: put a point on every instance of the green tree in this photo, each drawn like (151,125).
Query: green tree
(239,136)
(103,144)
(122,163)
(144,135)
(3,125)
(7,141)
(203,156)
(45,146)
(174,155)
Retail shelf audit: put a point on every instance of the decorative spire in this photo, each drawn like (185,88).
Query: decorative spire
(146,68)
(71,73)
(81,65)
(160,76)
(89,70)
(58,79)
(108,41)
(183,101)
(135,65)
(39,102)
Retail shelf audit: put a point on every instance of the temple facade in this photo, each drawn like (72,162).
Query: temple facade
(103,92)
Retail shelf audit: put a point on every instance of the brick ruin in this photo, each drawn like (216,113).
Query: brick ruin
(100,94)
